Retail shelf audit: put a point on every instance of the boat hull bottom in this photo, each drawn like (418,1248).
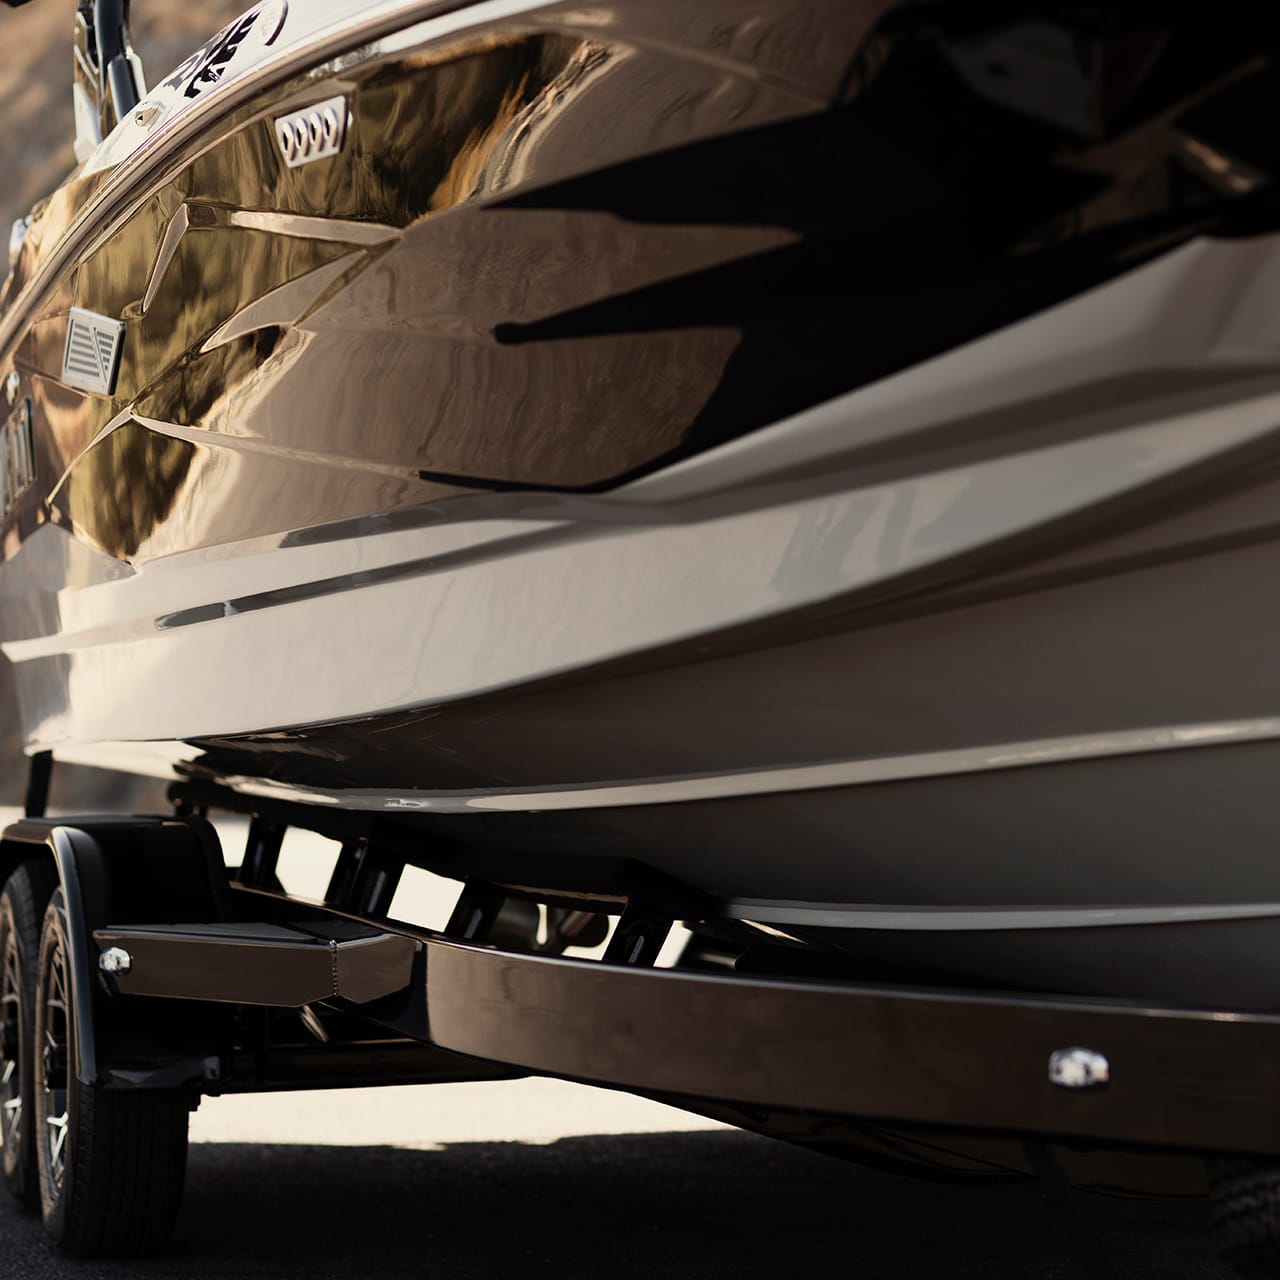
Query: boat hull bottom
(1148,876)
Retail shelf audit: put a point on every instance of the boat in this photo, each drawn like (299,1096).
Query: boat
(823,453)
(806,470)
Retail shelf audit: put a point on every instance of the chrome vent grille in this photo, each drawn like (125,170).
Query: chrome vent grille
(92,356)
(312,133)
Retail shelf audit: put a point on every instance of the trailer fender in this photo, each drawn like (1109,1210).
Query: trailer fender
(114,871)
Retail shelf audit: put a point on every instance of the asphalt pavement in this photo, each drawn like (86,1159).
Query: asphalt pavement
(694,1204)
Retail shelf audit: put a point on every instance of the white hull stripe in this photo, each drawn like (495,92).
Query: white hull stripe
(776,781)
(837,915)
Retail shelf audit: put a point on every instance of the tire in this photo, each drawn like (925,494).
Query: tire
(22,906)
(111,1162)
(1244,1198)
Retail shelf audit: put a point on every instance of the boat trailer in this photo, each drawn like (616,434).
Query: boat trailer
(153,915)
(191,978)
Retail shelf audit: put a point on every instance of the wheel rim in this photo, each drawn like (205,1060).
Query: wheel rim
(10,1046)
(53,1026)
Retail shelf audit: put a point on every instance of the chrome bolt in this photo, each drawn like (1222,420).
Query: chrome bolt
(115,960)
(1078,1068)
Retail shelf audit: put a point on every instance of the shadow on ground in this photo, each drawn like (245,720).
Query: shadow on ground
(702,1205)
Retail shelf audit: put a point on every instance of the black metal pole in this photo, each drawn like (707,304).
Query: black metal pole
(111,24)
(38,779)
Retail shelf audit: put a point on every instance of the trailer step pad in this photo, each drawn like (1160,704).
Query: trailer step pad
(257,964)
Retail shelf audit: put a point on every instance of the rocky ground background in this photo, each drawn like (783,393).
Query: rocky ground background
(35,155)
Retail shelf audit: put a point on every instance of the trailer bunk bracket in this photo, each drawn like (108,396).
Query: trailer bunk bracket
(235,962)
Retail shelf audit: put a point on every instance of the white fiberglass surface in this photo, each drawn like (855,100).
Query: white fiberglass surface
(543,606)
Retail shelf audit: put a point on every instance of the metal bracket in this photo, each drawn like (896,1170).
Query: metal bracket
(261,854)
(639,937)
(257,964)
(489,913)
(475,912)
(364,879)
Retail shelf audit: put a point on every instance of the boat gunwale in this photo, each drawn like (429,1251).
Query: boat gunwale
(135,179)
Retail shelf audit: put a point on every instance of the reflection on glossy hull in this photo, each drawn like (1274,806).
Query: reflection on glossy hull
(761,442)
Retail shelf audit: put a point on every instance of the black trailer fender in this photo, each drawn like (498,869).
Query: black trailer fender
(117,870)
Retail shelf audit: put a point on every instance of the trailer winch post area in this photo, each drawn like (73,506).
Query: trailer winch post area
(187,978)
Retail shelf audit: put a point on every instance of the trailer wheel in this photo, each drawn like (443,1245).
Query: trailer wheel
(1244,1197)
(22,904)
(111,1162)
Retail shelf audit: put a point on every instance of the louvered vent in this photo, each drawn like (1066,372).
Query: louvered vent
(17,457)
(93,351)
